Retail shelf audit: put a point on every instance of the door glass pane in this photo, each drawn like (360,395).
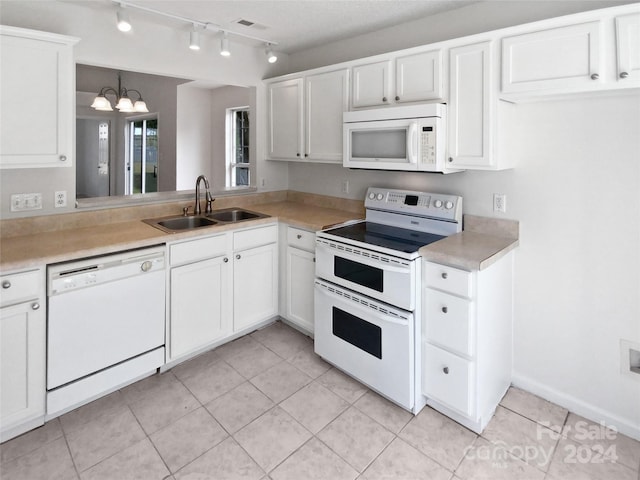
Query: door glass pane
(358,273)
(151,164)
(360,333)
(136,157)
(390,144)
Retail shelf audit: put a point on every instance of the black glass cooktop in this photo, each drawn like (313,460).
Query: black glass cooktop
(394,238)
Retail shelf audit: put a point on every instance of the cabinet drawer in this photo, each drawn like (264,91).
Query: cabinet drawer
(448,379)
(449,321)
(199,249)
(452,280)
(255,237)
(19,287)
(302,239)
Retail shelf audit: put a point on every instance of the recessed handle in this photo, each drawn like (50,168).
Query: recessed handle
(6,284)
(624,74)
(445,309)
(444,275)
(595,76)
(35,306)
(445,370)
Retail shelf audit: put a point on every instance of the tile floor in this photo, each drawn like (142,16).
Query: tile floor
(266,407)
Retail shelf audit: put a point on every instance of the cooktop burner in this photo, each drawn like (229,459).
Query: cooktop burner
(394,238)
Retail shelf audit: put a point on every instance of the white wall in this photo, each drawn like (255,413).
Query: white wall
(193,146)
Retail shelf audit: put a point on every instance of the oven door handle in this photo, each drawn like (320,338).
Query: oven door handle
(370,311)
(363,260)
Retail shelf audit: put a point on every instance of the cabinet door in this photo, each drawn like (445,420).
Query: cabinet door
(628,49)
(327,98)
(469,141)
(301,269)
(285,119)
(419,77)
(371,84)
(37,83)
(560,58)
(255,285)
(200,305)
(22,365)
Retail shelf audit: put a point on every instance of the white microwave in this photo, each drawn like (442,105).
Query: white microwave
(410,138)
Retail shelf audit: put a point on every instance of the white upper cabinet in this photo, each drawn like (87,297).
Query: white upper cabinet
(371,84)
(305,117)
(37,88)
(628,49)
(470,97)
(327,98)
(419,77)
(285,102)
(559,58)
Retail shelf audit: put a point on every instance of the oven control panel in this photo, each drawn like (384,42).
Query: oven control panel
(434,205)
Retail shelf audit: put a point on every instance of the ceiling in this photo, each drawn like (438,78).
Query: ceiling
(298,24)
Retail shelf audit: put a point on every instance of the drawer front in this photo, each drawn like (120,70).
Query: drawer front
(194,250)
(302,239)
(20,287)
(452,280)
(449,322)
(448,379)
(255,237)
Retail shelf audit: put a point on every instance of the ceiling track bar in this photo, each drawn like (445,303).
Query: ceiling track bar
(205,25)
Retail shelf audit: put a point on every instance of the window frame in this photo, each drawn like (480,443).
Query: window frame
(231,146)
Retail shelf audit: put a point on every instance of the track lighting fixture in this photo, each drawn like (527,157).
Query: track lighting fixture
(224,45)
(124,25)
(194,39)
(194,35)
(271,57)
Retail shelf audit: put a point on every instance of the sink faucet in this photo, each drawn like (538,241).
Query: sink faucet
(198,209)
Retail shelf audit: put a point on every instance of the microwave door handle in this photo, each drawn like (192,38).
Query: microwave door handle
(412,142)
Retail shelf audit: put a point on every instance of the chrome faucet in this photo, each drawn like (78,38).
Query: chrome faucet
(197,210)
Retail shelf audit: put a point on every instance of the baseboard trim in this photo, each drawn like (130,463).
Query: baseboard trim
(577,406)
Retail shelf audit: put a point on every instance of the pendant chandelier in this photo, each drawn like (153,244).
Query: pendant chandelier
(123,101)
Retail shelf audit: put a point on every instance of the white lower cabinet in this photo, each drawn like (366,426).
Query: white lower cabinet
(300,270)
(467,340)
(255,276)
(200,294)
(22,352)
(221,285)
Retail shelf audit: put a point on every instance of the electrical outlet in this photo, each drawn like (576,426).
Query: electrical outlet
(60,199)
(499,202)
(345,186)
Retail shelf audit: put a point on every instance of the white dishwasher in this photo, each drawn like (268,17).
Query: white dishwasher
(105,325)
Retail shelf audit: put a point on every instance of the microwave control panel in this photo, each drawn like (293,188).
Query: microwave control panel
(428,145)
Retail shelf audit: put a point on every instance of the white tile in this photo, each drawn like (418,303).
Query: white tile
(314,461)
(136,462)
(314,406)
(280,381)
(386,413)
(240,406)
(342,385)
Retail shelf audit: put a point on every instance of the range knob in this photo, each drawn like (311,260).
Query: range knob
(380,196)
(372,196)
(448,205)
(437,203)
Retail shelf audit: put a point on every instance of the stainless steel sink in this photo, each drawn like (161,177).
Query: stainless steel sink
(180,223)
(232,215)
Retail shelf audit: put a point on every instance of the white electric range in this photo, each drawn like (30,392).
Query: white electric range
(367,289)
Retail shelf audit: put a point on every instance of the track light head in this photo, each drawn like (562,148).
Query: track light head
(194,39)
(271,57)
(224,45)
(124,25)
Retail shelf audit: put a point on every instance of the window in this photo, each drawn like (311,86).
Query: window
(238,161)
(142,158)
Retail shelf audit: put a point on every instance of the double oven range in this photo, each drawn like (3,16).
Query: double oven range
(367,289)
